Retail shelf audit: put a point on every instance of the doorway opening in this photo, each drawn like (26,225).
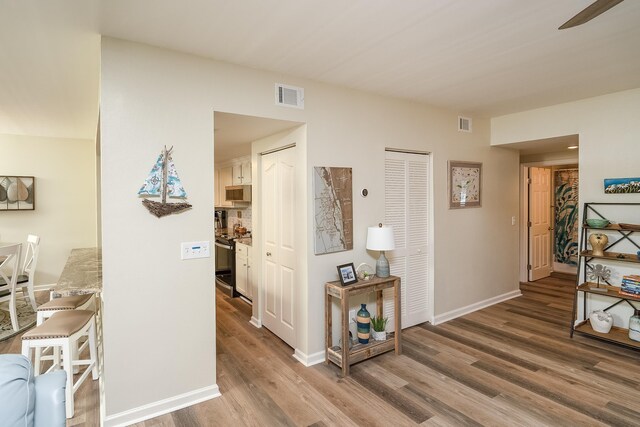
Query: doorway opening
(549,207)
(238,219)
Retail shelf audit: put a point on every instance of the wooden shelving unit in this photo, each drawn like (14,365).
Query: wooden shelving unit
(343,356)
(586,259)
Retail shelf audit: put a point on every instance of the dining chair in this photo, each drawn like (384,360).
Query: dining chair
(9,257)
(26,277)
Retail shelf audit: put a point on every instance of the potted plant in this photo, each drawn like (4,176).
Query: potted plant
(379,325)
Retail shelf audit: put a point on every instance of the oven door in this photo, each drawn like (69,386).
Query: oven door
(224,257)
(225,267)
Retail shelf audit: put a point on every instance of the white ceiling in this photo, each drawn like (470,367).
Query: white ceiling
(479,58)
(233,133)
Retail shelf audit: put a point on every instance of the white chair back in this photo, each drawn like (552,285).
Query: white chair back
(9,259)
(31,256)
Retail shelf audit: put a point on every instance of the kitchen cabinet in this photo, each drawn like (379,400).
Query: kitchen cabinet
(618,235)
(224,179)
(244,283)
(216,187)
(242,173)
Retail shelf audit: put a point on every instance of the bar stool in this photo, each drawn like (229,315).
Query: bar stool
(63,330)
(56,305)
(74,302)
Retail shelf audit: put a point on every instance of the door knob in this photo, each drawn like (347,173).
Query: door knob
(268,253)
(550,229)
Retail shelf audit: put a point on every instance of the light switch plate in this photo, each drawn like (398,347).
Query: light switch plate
(191,250)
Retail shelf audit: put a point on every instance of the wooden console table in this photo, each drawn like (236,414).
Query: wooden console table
(344,357)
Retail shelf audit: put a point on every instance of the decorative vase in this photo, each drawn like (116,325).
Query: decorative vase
(601,321)
(598,242)
(634,326)
(364,324)
(379,336)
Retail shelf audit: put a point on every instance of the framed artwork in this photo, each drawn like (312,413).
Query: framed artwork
(465,184)
(621,185)
(17,193)
(332,209)
(347,274)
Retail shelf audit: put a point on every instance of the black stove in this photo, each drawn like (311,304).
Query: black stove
(226,264)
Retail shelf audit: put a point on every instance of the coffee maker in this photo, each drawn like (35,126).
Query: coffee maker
(220,218)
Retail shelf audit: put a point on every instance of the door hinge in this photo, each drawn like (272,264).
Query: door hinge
(528,267)
(528,223)
(529,181)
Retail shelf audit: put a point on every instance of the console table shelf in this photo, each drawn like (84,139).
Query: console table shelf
(343,356)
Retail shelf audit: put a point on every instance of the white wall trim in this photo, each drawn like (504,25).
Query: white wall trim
(445,317)
(161,407)
(255,322)
(310,360)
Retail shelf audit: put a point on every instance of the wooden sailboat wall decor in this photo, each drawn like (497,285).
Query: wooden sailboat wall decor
(163,181)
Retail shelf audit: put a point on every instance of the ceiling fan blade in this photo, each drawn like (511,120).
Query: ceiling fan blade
(596,8)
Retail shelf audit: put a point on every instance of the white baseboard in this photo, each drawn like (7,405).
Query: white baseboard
(255,322)
(161,407)
(309,360)
(47,288)
(445,317)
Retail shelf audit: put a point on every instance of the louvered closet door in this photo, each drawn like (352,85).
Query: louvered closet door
(407,178)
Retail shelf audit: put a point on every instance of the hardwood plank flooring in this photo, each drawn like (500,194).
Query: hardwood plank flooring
(509,364)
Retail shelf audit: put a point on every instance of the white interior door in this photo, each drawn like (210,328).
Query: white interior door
(278,265)
(407,179)
(539,223)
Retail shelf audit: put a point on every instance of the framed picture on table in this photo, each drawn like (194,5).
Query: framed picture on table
(347,274)
(465,184)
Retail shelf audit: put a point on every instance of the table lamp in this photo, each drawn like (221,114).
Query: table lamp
(381,239)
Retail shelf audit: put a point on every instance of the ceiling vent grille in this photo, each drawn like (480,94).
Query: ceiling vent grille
(464,124)
(289,96)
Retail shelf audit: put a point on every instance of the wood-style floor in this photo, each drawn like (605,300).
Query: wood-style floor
(510,364)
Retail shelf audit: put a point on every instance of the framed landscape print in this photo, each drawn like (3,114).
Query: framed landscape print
(17,193)
(465,184)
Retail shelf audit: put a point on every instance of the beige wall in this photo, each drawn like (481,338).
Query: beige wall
(65,212)
(152,97)
(609,138)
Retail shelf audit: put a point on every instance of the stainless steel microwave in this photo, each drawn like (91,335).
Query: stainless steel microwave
(237,193)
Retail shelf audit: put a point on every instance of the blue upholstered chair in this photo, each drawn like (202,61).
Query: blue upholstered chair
(27,401)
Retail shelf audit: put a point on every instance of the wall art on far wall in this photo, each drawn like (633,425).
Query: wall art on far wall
(332,209)
(465,184)
(621,185)
(17,193)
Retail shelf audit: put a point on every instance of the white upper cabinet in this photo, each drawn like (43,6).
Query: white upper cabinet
(242,173)
(225,179)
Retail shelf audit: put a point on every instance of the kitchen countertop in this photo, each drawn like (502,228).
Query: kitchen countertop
(244,240)
(82,274)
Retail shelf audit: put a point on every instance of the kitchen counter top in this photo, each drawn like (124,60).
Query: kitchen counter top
(82,274)
(245,240)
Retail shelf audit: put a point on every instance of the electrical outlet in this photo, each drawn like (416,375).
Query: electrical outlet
(191,250)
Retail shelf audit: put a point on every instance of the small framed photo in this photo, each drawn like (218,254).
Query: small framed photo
(465,184)
(347,273)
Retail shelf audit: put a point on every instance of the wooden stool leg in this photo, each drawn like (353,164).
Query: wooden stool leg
(37,364)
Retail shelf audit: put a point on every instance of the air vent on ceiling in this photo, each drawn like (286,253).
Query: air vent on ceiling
(289,96)
(464,124)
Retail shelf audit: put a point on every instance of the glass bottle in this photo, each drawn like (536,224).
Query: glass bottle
(634,326)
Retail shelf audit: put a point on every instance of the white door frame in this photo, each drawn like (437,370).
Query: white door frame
(524,209)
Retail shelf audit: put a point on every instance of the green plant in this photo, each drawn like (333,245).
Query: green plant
(379,323)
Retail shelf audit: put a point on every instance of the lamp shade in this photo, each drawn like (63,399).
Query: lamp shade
(380,239)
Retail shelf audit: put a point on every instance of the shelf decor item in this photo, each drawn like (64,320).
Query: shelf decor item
(379,324)
(465,184)
(381,239)
(163,181)
(364,324)
(634,326)
(365,272)
(597,222)
(599,272)
(601,321)
(598,243)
